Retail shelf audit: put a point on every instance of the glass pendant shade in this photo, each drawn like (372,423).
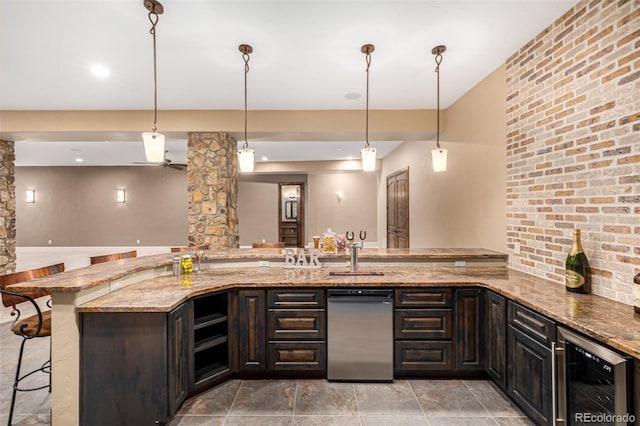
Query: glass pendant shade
(245,160)
(439,158)
(368,159)
(153,146)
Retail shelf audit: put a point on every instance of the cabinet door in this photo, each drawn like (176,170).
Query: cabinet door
(414,356)
(529,376)
(496,342)
(252,353)
(469,329)
(178,356)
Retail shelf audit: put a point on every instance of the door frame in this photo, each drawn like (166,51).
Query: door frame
(301,212)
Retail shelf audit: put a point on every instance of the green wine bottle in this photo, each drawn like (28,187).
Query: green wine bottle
(636,293)
(577,277)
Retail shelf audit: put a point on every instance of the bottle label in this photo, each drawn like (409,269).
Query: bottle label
(573,279)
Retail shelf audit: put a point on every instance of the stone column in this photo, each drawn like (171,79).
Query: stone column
(7,207)
(212,173)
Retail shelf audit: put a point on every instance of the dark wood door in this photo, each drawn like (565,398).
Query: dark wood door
(496,356)
(398,209)
(252,351)
(291,213)
(529,376)
(469,329)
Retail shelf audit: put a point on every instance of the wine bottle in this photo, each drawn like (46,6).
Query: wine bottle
(636,293)
(577,278)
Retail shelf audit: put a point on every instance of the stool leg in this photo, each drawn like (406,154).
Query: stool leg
(17,380)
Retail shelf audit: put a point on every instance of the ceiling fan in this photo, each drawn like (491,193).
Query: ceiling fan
(166,163)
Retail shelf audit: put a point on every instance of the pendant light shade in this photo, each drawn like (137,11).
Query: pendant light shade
(439,159)
(246,160)
(368,159)
(438,155)
(368,153)
(154,141)
(246,157)
(153,146)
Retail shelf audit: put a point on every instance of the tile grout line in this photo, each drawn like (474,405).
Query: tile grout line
(464,382)
(418,402)
(295,398)
(355,397)
(233,402)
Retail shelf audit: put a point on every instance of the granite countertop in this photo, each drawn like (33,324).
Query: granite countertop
(94,275)
(603,319)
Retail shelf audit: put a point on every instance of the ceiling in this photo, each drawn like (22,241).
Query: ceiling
(306,56)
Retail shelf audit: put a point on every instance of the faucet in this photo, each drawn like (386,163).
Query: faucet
(354,248)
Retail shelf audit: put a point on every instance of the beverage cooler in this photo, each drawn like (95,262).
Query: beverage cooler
(592,384)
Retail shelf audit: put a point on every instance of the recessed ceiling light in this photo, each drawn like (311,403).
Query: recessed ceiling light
(350,158)
(353,95)
(100,71)
(79,160)
(265,158)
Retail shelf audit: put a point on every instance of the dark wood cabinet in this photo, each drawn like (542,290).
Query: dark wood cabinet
(423,324)
(210,339)
(252,350)
(179,356)
(529,366)
(296,330)
(417,356)
(138,362)
(496,338)
(423,297)
(469,311)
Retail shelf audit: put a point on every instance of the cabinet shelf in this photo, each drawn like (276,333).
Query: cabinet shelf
(209,342)
(210,371)
(209,320)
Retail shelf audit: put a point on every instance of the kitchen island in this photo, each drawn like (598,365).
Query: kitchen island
(145,286)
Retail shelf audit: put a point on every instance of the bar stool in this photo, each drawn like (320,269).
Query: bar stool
(112,256)
(28,327)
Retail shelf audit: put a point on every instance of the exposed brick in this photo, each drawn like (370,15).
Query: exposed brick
(630,159)
(618,151)
(603,126)
(615,210)
(629,119)
(631,37)
(629,199)
(635,54)
(630,17)
(601,53)
(600,145)
(601,108)
(576,100)
(617,73)
(629,78)
(601,35)
(629,179)
(601,200)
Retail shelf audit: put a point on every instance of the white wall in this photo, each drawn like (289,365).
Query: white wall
(257,212)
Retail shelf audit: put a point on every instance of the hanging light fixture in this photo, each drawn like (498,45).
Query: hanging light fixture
(154,141)
(245,154)
(438,155)
(368,153)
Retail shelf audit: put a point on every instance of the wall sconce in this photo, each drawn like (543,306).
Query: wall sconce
(30,196)
(120,195)
(339,195)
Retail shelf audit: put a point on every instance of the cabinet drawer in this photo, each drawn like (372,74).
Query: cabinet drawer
(532,323)
(423,356)
(295,298)
(296,324)
(301,356)
(431,297)
(423,324)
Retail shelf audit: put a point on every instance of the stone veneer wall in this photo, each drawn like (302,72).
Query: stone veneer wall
(212,188)
(573,146)
(7,208)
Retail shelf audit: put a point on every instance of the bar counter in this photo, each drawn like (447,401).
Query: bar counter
(146,284)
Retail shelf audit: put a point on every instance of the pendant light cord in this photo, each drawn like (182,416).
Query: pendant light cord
(154,18)
(368,59)
(438,62)
(245,57)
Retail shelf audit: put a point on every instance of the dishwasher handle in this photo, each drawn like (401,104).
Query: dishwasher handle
(360,299)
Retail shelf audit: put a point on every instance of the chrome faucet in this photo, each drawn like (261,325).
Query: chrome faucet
(354,248)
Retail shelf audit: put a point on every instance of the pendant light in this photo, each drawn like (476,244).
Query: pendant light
(438,155)
(246,154)
(368,153)
(154,141)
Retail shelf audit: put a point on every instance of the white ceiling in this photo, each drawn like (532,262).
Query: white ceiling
(306,53)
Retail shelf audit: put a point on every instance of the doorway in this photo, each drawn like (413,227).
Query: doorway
(398,209)
(291,213)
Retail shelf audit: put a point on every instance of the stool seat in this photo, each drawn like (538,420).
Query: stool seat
(30,325)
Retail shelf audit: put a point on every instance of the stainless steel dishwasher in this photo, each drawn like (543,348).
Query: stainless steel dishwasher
(360,335)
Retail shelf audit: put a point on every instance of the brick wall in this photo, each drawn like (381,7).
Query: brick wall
(573,146)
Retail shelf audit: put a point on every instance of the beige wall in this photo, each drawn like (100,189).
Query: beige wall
(76,206)
(356,211)
(464,206)
(257,212)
